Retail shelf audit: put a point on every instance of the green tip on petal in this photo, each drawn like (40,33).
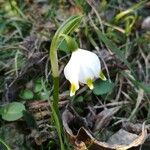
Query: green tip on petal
(72,90)
(102,76)
(89,83)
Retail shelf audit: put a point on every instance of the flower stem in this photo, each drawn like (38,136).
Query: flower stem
(67,27)
(54,104)
(55,75)
(2,142)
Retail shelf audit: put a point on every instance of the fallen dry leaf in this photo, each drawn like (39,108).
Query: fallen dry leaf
(122,137)
(104,117)
(80,146)
(84,136)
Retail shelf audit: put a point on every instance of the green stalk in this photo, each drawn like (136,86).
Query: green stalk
(7,147)
(68,26)
(54,106)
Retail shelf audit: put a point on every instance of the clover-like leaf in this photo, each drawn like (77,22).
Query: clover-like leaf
(12,111)
(102,87)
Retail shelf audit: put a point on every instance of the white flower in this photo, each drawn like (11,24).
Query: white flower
(83,67)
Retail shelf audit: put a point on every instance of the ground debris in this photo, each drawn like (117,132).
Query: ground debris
(84,136)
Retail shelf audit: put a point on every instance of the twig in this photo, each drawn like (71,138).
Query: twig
(112,104)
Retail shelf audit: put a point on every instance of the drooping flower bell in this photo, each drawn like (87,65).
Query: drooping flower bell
(83,67)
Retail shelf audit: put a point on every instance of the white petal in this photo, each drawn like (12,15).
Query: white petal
(71,72)
(83,67)
(90,61)
(85,73)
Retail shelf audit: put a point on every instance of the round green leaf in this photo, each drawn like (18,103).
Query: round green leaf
(13,111)
(26,94)
(43,95)
(38,87)
(102,87)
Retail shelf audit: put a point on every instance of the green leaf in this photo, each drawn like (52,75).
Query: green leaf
(12,111)
(37,87)
(71,43)
(102,87)
(129,10)
(58,127)
(138,84)
(63,47)
(42,96)
(67,27)
(83,5)
(26,94)
(113,47)
(146,87)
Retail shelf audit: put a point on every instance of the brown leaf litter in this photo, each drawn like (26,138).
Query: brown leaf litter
(83,139)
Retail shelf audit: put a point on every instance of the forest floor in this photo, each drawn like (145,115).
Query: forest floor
(114,115)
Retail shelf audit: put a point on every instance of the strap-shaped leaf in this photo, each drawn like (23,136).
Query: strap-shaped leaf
(131,9)
(67,27)
(112,47)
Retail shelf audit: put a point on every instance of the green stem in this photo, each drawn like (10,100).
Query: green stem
(55,74)
(1,141)
(68,26)
(56,94)
(54,106)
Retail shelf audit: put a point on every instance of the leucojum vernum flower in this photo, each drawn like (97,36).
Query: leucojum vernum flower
(83,67)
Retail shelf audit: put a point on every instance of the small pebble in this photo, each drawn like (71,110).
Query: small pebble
(146,23)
